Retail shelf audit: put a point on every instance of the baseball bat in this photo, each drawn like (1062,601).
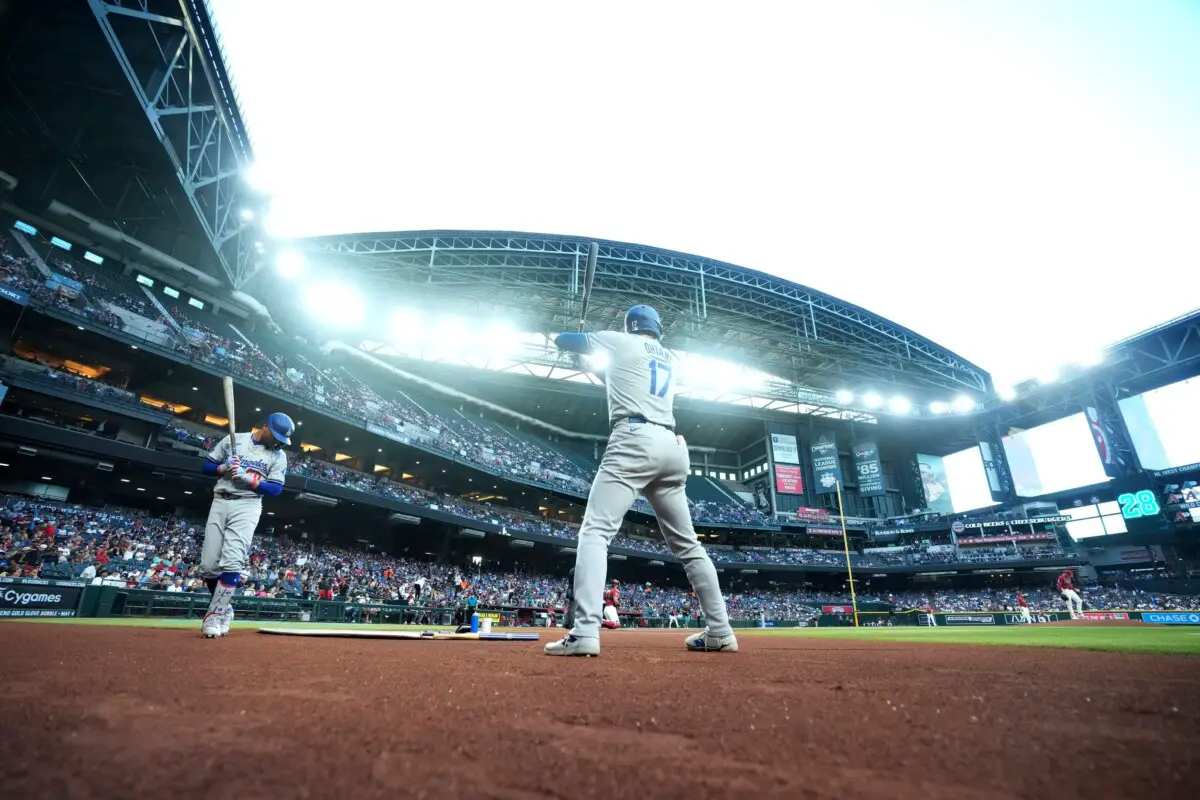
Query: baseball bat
(227,385)
(589,275)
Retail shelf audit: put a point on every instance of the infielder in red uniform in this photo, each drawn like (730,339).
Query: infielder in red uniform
(1023,607)
(612,601)
(1070,592)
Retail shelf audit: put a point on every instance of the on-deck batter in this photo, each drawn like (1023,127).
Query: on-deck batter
(644,455)
(1070,593)
(254,468)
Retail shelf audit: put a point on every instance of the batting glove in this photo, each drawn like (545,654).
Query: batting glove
(247,478)
(231,465)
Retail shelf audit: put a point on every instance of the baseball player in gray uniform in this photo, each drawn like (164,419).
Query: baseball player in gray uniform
(247,468)
(644,455)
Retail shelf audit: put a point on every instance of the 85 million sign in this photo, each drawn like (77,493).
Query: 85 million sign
(868,469)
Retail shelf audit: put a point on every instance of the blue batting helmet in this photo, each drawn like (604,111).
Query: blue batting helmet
(281,427)
(643,318)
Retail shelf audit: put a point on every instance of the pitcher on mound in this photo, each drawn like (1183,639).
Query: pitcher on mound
(644,455)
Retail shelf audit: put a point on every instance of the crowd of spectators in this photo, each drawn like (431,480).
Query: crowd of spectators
(292,369)
(18,270)
(68,380)
(125,548)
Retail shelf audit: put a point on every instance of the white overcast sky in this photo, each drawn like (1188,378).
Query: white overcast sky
(1018,181)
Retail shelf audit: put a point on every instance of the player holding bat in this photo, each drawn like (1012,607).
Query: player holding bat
(248,466)
(643,455)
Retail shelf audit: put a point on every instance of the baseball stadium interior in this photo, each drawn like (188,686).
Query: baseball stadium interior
(845,470)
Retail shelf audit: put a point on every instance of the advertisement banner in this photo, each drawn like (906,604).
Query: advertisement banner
(1036,616)
(967,541)
(989,468)
(195,337)
(1102,434)
(837,609)
(788,479)
(39,598)
(1171,617)
(64,285)
(827,470)
(762,496)
(14,294)
(823,530)
(1047,520)
(812,515)
(969,619)
(784,449)
(934,484)
(868,469)
(1105,615)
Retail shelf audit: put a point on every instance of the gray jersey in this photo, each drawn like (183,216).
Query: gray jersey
(270,464)
(639,379)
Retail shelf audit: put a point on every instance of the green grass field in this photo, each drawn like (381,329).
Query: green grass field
(1167,640)
(1164,639)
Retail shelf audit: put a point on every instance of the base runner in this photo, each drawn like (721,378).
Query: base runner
(643,455)
(1070,593)
(256,469)
(1023,607)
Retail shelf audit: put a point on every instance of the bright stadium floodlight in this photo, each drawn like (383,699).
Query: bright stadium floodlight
(335,304)
(404,325)
(1006,392)
(1047,375)
(597,361)
(899,405)
(939,407)
(290,264)
(501,338)
(964,404)
(1091,359)
(256,178)
(872,400)
(845,396)
(452,335)
(246,214)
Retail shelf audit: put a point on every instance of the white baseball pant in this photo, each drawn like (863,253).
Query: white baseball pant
(227,535)
(1074,603)
(1025,618)
(649,459)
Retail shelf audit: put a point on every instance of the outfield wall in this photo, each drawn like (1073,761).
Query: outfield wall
(26,597)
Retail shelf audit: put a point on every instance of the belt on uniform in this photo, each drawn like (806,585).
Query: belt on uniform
(642,421)
(232,496)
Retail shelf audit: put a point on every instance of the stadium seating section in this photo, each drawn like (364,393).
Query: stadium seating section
(289,366)
(122,548)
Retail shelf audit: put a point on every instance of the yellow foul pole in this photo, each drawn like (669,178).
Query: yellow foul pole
(846,545)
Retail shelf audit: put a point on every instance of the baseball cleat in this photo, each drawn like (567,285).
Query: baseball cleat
(572,645)
(211,628)
(706,642)
(226,621)
(611,626)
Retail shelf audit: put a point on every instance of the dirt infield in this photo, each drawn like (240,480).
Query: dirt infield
(125,712)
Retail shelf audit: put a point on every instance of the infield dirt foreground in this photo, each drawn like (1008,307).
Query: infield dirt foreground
(142,712)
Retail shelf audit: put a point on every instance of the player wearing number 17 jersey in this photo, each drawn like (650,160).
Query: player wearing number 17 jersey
(643,455)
